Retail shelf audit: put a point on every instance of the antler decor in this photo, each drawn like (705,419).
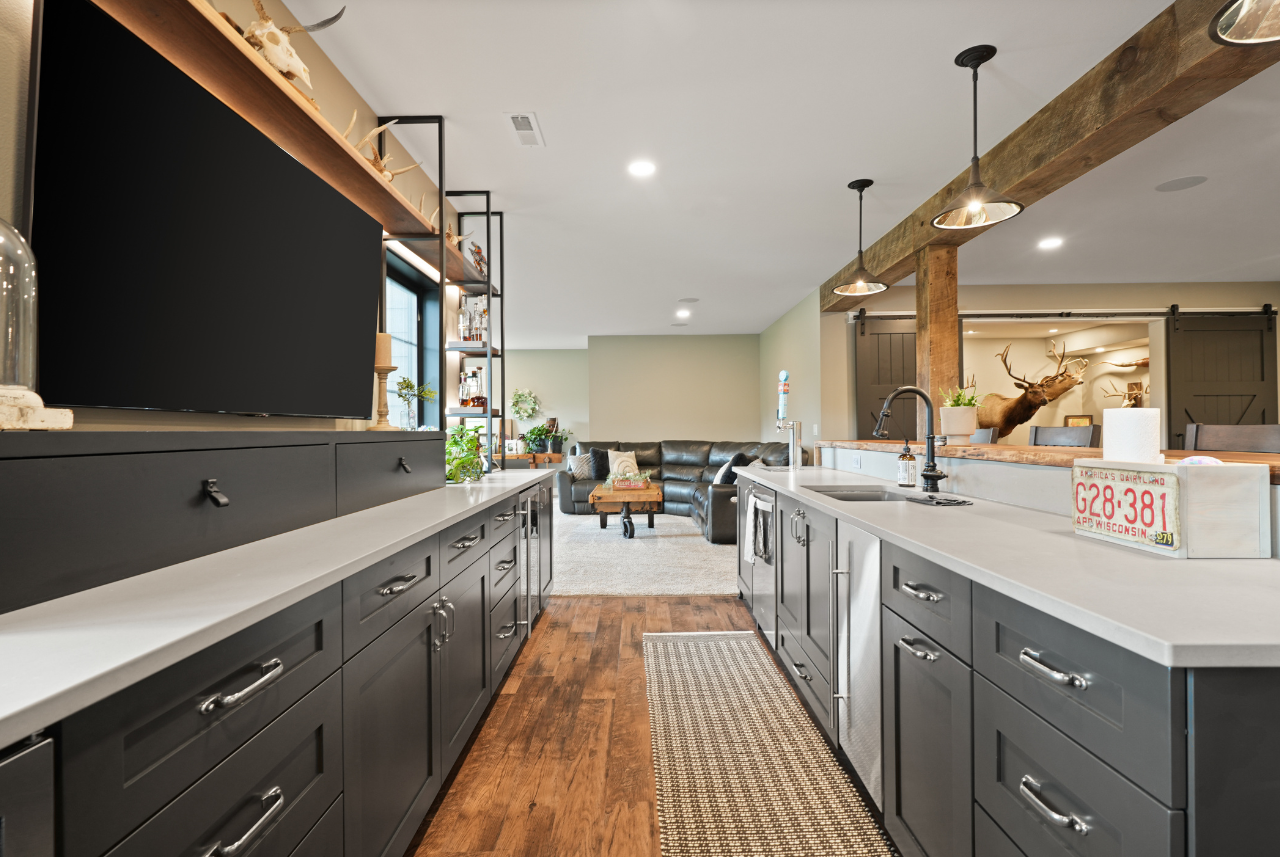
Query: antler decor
(1130,398)
(375,160)
(1006,414)
(273,42)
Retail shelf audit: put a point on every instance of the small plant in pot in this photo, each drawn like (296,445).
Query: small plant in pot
(556,439)
(462,455)
(959,413)
(537,438)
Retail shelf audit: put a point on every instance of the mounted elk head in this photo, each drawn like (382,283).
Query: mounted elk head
(273,41)
(1006,414)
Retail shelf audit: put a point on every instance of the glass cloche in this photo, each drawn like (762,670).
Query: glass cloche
(17,310)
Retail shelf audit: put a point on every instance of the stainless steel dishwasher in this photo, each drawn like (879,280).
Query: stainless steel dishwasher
(758,548)
(858,669)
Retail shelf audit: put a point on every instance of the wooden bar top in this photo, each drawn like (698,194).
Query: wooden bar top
(1049,456)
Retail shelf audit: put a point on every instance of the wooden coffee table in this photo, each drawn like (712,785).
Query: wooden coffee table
(623,502)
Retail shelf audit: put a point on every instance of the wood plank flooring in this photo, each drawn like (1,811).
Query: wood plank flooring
(562,763)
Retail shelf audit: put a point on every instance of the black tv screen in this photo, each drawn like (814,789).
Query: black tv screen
(186,262)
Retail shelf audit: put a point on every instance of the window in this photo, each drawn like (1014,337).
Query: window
(413,320)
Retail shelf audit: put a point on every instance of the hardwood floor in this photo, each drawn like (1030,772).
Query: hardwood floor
(561,765)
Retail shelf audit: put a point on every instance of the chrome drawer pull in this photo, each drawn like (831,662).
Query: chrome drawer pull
(438,643)
(506,565)
(404,465)
(451,619)
(800,672)
(464,542)
(912,588)
(271,672)
(906,644)
(505,516)
(1028,658)
(211,491)
(404,582)
(1055,818)
(220,850)
(512,626)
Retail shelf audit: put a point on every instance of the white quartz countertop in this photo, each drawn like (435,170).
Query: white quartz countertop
(63,655)
(1177,612)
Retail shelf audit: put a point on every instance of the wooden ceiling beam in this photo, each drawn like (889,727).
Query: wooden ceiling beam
(1161,73)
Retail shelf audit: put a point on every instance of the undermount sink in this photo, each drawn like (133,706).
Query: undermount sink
(855,493)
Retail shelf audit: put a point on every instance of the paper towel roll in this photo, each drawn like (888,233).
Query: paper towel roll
(1131,434)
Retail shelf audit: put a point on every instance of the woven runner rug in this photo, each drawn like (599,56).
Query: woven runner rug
(740,768)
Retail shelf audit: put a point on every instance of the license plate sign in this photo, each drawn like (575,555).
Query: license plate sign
(1138,506)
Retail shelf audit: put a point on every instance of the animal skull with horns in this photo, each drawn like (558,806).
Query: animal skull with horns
(273,41)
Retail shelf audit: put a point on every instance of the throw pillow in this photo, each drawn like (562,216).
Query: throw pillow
(599,464)
(580,466)
(623,462)
(759,462)
(726,476)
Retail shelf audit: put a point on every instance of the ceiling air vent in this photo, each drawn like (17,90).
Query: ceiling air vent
(526,127)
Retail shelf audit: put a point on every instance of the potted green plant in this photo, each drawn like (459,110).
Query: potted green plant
(409,396)
(462,455)
(557,439)
(959,413)
(537,437)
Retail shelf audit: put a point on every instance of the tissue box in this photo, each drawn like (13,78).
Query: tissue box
(1179,510)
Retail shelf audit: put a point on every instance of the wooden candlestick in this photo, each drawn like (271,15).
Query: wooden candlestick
(383,424)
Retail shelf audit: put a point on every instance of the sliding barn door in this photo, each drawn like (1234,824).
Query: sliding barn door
(885,356)
(1222,371)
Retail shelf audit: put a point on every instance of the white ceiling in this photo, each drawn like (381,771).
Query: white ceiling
(757,114)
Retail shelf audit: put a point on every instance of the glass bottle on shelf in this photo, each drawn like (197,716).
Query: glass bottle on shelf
(482,320)
(464,322)
(464,392)
(478,398)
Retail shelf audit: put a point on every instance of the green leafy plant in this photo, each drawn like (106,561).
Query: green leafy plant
(462,454)
(524,405)
(558,436)
(408,393)
(642,476)
(961,397)
(537,434)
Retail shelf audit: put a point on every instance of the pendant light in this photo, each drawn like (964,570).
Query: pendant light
(977,205)
(860,282)
(1246,22)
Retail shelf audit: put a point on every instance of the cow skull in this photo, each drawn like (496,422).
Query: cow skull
(273,41)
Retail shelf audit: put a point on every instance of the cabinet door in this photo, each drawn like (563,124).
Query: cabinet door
(391,734)
(820,548)
(793,559)
(26,802)
(928,760)
(464,657)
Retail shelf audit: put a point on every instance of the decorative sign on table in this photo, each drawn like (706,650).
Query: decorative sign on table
(632,484)
(1179,510)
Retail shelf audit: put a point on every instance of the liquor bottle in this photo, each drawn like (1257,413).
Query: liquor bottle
(906,468)
(482,320)
(464,323)
(478,398)
(464,392)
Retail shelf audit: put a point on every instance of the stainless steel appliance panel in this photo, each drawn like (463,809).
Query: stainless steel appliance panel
(764,585)
(857,671)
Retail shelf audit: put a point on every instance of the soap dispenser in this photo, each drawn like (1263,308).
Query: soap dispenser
(906,467)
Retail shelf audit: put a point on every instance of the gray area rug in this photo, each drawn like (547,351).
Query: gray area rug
(671,559)
(740,767)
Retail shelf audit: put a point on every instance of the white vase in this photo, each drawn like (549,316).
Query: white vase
(958,424)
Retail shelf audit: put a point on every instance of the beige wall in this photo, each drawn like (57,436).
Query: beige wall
(560,380)
(794,343)
(675,387)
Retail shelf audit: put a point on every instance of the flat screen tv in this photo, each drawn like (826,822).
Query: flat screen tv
(186,262)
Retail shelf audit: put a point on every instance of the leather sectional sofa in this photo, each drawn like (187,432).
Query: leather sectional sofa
(685,469)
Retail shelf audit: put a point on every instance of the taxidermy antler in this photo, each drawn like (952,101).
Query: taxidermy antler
(1143,363)
(1130,397)
(273,42)
(375,160)
(1006,414)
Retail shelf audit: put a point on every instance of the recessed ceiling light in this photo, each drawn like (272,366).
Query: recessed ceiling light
(1098,349)
(641,168)
(689,300)
(679,324)
(1053,330)
(1050,243)
(970,331)
(682,313)
(1181,184)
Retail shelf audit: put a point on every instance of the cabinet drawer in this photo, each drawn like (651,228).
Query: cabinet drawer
(463,543)
(26,801)
(504,563)
(88,520)
(989,840)
(930,597)
(384,593)
(126,757)
(377,472)
(1044,790)
(504,518)
(504,633)
(814,689)
(325,839)
(270,792)
(1127,710)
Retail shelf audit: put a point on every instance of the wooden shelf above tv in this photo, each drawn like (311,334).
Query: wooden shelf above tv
(195,38)
(461,270)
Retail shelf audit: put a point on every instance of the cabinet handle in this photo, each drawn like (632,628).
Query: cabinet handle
(404,582)
(800,672)
(220,850)
(1055,818)
(1030,659)
(512,626)
(505,566)
(271,672)
(504,517)
(451,618)
(915,591)
(907,645)
(797,527)
(438,642)
(464,542)
(404,465)
(211,491)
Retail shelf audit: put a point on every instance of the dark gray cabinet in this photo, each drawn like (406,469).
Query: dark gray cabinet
(805,581)
(465,686)
(814,688)
(370,474)
(464,543)
(989,840)
(928,765)
(325,839)
(934,599)
(504,633)
(504,563)
(264,799)
(392,694)
(26,801)
(384,593)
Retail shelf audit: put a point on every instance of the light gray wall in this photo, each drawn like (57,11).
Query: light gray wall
(794,343)
(560,380)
